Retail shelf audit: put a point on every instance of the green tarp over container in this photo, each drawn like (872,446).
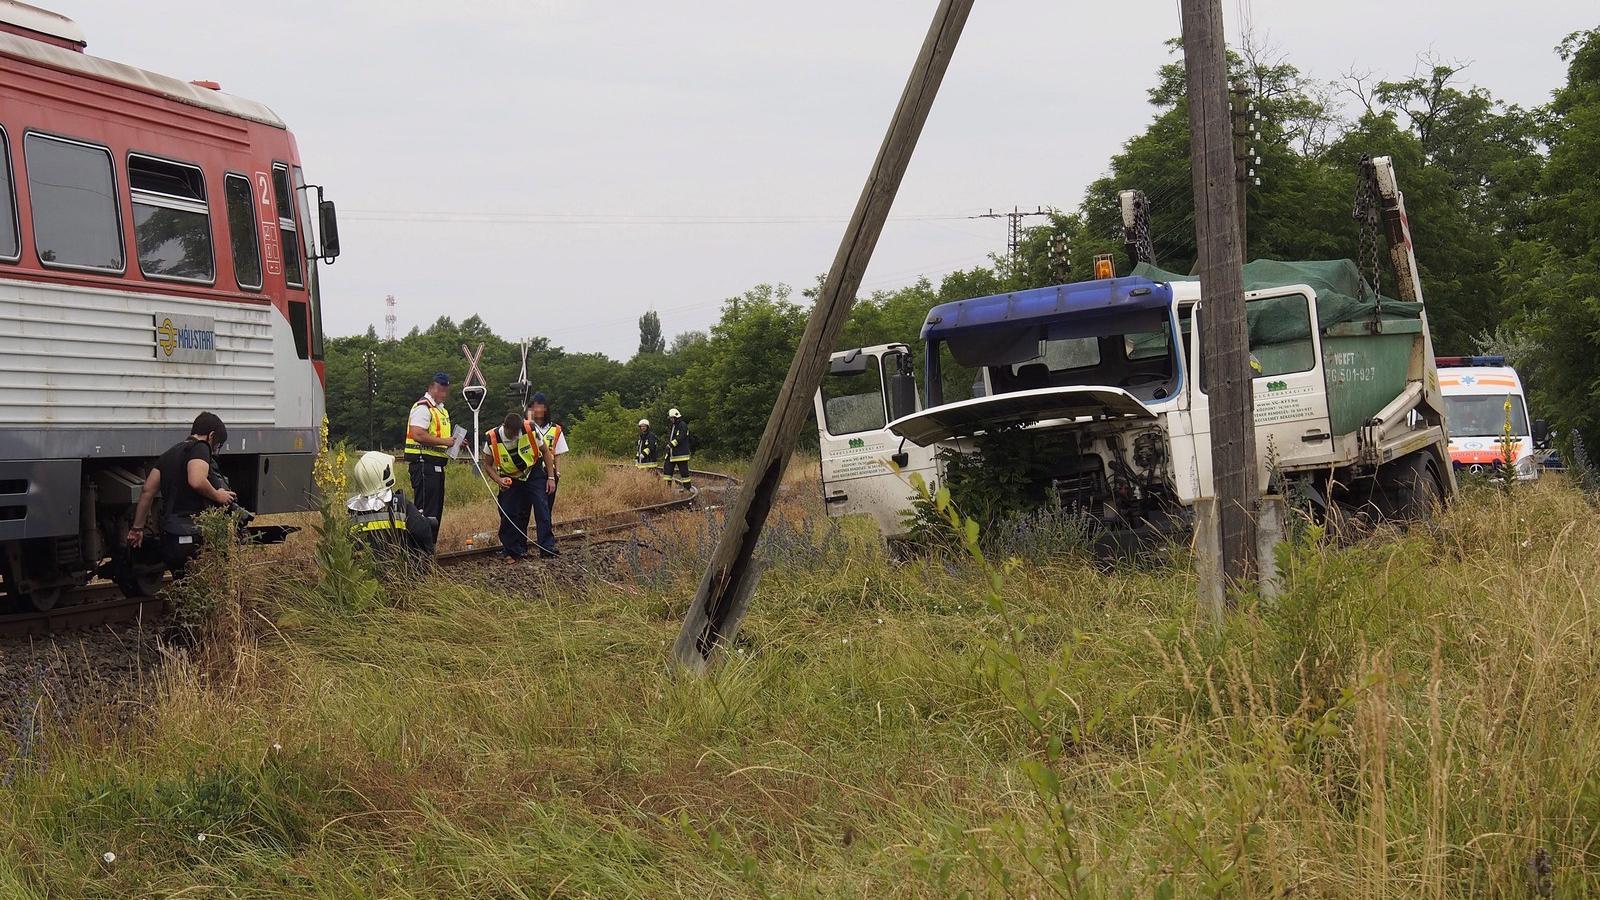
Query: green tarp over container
(1341,297)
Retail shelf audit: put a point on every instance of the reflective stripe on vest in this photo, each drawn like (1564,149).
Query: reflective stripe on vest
(550,434)
(438,426)
(520,458)
(377,520)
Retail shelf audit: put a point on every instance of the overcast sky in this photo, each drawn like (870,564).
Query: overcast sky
(592,160)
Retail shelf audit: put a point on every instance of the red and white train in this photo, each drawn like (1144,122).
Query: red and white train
(157,259)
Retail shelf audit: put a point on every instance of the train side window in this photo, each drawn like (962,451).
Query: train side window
(171,220)
(10,246)
(315,291)
(288,234)
(72,189)
(242,232)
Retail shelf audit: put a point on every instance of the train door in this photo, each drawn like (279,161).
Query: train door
(862,392)
(1290,393)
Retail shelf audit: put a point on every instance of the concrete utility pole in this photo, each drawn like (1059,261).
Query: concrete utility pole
(1224,338)
(731,576)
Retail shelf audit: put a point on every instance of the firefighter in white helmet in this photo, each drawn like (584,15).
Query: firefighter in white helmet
(385,521)
(647,453)
(680,449)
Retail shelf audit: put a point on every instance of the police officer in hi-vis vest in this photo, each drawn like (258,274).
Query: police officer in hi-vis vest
(521,460)
(427,448)
(552,435)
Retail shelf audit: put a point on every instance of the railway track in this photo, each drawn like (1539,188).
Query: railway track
(590,527)
(94,604)
(103,603)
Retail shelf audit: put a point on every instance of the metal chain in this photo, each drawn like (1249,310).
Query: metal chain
(1366,213)
(1145,247)
(1141,231)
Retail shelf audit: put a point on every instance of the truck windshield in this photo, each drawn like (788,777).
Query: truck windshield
(1141,363)
(1484,415)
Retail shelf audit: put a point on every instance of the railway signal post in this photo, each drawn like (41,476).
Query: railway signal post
(729,579)
(473,390)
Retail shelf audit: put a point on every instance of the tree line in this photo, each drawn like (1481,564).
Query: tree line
(1503,201)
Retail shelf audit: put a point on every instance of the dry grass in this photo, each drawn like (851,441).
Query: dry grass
(1417,716)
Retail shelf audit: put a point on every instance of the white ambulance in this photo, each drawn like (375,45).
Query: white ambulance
(1484,402)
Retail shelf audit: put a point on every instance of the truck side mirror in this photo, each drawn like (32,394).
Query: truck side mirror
(328,230)
(902,395)
(1541,433)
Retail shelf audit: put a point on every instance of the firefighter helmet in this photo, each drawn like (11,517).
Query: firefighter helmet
(644,423)
(374,473)
(674,414)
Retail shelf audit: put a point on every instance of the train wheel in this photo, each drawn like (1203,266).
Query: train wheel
(45,599)
(145,585)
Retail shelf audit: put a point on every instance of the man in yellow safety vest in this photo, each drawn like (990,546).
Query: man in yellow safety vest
(428,443)
(520,460)
(552,435)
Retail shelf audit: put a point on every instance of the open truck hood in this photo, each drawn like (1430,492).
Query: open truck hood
(968,417)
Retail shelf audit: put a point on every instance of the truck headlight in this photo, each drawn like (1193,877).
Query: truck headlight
(1527,467)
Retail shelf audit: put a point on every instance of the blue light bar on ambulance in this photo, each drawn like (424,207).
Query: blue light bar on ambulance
(1448,361)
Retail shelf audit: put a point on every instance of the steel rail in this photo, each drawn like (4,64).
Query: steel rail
(113,607)
(603,523)
(102,603)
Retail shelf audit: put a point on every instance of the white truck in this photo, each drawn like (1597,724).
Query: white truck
(1347,397)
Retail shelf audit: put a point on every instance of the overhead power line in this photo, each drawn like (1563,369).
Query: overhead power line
(531,218)
(1014,232)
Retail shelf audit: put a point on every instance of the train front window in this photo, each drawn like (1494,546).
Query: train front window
(242,232)
(288,234)
(73,192)
(171,221)
(10,248)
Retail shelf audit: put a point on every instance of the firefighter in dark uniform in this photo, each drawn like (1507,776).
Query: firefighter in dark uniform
(647,452)
(680,449)
(384,520)
(428,443)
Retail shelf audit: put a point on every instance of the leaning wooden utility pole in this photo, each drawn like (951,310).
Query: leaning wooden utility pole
(1224,337)
(730,577)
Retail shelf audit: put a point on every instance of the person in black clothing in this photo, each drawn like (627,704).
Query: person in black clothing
(678,452)
(182,475)
(646,454)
